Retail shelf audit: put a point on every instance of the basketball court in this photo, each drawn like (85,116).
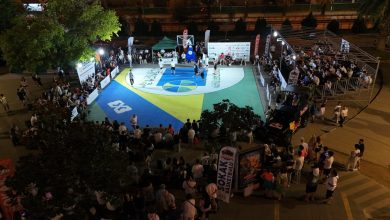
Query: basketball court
(160,97)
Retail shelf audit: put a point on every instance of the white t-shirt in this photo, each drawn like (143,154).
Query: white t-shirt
(191,133)
(331,183)
(172,64)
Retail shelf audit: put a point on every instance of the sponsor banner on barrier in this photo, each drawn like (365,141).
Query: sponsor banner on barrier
(74,114)
(91,97)
(206,38)
(227,158)
(105,82)
(282,80)
(85,70)
(114,72)
(237,50)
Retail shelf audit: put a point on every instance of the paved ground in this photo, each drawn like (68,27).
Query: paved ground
(361,195)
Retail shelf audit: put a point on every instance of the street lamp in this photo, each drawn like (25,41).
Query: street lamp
(79,65)
(275,33)
(101,51)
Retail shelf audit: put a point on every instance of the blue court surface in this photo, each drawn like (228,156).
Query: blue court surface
(182,74)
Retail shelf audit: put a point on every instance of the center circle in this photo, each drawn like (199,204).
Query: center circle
(180,86)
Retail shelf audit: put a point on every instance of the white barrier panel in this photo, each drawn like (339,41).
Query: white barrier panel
(282,80)
(105,82)
(114,72)
(74,114)
(87,69)
(235,49)
(91,97)
(268,93)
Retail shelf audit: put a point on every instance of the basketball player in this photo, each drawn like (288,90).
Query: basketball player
(196,69)
(131,77)
(173,69)
(160,63)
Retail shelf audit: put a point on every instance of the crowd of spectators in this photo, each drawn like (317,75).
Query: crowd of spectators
(322,65)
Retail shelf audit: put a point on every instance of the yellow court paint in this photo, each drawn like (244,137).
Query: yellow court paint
(180,107)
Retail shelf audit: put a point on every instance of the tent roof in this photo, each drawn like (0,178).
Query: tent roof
(165,43)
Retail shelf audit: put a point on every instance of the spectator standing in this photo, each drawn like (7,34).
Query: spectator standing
(343,115)
(189,208)
(331,185)
(312,183)
(328,163)
(4,102)
(191,135)
(189,185)
(173,68)
(361,147)
(134,121)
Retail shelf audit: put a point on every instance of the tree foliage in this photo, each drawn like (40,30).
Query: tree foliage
(178,10)
(309,21)
(377,10)
(286,26)
(334,26)
(261,26)
(59,35)
(141,27)
(156,28)
(230,116)
(240,27)
(76,160)
(359,25)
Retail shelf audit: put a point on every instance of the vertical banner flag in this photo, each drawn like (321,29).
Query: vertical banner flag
(257,42)
(267,43)
(130,42)
(185,37)
(206,37)
(227,158)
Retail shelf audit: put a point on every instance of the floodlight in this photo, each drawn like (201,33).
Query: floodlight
(275,33)
(79,65)
(101,51)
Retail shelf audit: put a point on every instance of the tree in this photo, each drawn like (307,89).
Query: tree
(193,28)
(76,163)
(286,26)
(178,10)
(309,21)
(213,26)
(227,116)
(156,28)
(141,27)
(8,10)
(261,26)
(377,10)
(359,26)
(334,26)
(58,36)
(240,27)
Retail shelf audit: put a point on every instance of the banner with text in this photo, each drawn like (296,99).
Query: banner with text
(257,42)
(87,69)
(237,50)
(227,158)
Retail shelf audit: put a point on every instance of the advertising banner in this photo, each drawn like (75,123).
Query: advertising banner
(257,42)
(267,44)
(249,165)
(206,38)
(227,157)
(105,82)
(237,50)
(114,72)
(87,69)
(91,97)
